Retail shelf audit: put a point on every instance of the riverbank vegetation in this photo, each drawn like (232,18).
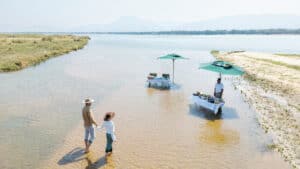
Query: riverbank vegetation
(288,55)
(214,32)
(18,51)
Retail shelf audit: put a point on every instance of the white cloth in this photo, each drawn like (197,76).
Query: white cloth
(109,128)
(159,82)
(219,87)
(205,104)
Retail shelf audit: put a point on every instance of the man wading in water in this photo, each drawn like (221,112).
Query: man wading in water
(89,123)
(219,89)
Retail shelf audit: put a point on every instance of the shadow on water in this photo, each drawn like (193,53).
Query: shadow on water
(98,164)
(77,154)
(175,86)
(227,113)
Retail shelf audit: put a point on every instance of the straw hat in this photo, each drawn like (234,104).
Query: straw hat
(88,100)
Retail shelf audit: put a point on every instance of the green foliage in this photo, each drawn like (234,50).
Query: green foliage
(47,38)
(214,52)
(18,51)
(272,146)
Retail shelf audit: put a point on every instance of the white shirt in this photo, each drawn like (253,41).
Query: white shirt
(219,87)
(109,127)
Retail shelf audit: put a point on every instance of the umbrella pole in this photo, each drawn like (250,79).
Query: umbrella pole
(173,70)
(220,75)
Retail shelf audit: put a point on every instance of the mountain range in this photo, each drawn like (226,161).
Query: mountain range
(135,24)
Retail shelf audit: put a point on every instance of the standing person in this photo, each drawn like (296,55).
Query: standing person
(89,123)
(109,126)
(219,88)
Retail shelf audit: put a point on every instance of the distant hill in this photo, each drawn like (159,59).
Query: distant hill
(135,24)
(243,22)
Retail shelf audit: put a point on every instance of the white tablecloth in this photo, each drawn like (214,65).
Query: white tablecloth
(159,83)
(207,105)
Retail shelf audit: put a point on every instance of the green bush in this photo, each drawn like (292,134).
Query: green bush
(48,38)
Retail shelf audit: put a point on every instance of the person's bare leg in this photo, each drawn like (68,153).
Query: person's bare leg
(86,146)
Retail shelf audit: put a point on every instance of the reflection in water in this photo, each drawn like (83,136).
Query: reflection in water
(227,113)
(213,133)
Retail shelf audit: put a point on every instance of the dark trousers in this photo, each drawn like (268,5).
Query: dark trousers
(218,95)
(109,142)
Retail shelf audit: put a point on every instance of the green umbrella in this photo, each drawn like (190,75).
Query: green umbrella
(222,67)
(172,57)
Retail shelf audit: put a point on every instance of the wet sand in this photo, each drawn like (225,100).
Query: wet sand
(42,125)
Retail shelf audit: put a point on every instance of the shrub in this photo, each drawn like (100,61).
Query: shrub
(19,63)
(48,38)
(17,41)
(214,52)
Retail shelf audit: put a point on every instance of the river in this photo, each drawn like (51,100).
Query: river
(40,107)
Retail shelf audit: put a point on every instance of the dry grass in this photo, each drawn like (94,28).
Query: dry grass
(288,55)
(18,51)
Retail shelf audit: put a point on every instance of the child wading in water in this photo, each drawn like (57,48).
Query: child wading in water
(109,126)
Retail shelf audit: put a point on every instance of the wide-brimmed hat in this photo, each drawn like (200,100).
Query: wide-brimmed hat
(88,100)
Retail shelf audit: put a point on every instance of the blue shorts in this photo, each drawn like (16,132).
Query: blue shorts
(89,134)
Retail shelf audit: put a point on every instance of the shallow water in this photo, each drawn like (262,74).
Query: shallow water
(40,106)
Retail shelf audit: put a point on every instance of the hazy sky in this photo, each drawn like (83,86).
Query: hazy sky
(71,13)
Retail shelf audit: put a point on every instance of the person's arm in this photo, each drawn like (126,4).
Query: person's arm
(101,126)
(113,134)
(92,118)
(215,91)
(222,90)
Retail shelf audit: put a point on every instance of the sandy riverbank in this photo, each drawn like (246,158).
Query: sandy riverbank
(272,87)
